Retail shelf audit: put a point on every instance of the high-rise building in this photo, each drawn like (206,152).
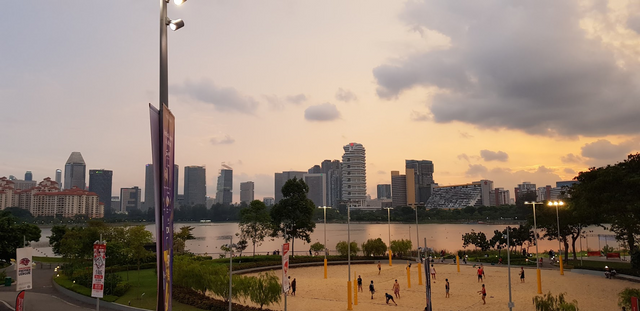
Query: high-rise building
(246,192)
(281,179)
(398,189)
(316,169)
(354,174)
(59,178)
(499,196)
(421,180)
(525,188)
(149,190)
(317,188)
(224,187)
(24,184)
(384,191)
(75,172)
(129,199)
(100,182)
(195,185)
(268,201)
(333,172)
(28,176)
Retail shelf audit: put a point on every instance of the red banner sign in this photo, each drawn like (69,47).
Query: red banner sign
(285,267)
(99,261)
(20,301)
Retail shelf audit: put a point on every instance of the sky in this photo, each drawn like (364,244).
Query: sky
(511,91)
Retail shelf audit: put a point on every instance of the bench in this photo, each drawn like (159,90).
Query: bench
(613,255)
(593,254)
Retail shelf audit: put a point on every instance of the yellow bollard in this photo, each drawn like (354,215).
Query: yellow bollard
(390,264)
(408,277)
(458,262)
(539,281)
(355,290)
(561,265)
(325,268)
(420,274)
(349,307)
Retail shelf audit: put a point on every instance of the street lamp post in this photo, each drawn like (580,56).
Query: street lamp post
(535,234)
(389,226)
(556,204)
(349,307)
(325,238)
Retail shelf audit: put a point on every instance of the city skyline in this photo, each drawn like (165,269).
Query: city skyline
(517,100)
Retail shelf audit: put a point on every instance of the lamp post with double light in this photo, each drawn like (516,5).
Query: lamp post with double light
(535,234)
(325,238)
(389,226)
(556,204)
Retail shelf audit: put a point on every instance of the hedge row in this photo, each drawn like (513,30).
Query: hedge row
(191,297)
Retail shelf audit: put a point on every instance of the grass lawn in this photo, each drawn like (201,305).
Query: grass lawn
(68,284)
(49,259)
(599,265)
(145,282)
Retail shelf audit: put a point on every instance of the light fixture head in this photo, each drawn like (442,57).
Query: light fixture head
(561,202)
(179,2)
(176,24)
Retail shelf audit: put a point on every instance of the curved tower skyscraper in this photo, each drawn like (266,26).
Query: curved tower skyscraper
(75,172)
(354,174)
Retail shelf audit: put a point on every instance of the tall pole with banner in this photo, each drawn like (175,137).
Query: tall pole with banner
(427,276)
(285,272)
(24,270)
(99,264)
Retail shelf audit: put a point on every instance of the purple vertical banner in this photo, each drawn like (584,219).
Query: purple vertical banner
(156,142)
(168,147)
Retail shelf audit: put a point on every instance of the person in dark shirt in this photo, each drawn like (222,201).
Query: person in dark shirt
(389,297)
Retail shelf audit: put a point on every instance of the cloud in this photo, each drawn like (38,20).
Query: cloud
(543,169)
(568,170)
(571,158)
(476,170)
(420,117)
(508,178)
(465,134)
(224,99)
(463,156)
(226,140)
(489,155)
(345,95)
(322,112)
(381,172)
(603,152)
(297,99)
(506,69)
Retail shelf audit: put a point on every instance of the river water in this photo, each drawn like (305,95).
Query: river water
(439,236)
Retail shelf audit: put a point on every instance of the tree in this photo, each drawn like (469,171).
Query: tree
(400,247)
(317,247)
(477,239)
(13,234)
(374,247)
(343,249)
(137,238)
(624,297)
(499,240)
(548,302)
(265,289)
(57,234)
(292,217)
(180,238)
(255,223)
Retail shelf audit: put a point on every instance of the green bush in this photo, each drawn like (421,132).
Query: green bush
(264,289)
(317,247)
(200,301)
(343,248)
(374,247)
(548,302)
(401,247)
(624,297)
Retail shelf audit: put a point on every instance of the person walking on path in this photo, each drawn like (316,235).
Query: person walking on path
(521,274)
(372,289)
(379,267)
(396,289)
(389,297)
(293,287)
(433,273)
(359,283)
(446,288)
(483,292)
(480,273)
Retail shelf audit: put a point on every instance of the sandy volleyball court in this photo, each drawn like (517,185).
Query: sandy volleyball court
(316,293)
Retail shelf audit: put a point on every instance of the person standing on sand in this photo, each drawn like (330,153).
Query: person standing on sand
(483,292)
(433,272)
(389,297)
(521,274)
(396,289)
(372,289)
(446,288)
(379,267)
(359,283)
(479,275)
(293,287)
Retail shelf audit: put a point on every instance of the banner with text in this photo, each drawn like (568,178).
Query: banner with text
(168,135)
(99,262)
(154,116)
(24,269)
(285,267)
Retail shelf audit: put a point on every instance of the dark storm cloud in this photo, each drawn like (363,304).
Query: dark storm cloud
(603,149)
(322,112)
(345,95)
(222,98)
(523,65)
(489,155)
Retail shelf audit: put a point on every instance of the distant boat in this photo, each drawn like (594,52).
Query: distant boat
(205,220)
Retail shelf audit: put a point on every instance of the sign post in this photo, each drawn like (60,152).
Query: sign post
(285,272)
(24,269)
(99,263)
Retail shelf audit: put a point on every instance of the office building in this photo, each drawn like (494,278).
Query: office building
(59,177)
(224,187)
(281,179)
(398,189)
(317,188)
(28,176)
(384,191)
(149,190)
(246,192)
(477,193)
(130,199)
(115,204)
(23,184)
(419,181)
(333,176)
(268,201)
(524,189)
(499,196)
(195,185)
(75,172)
(100,182)
(354,174)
